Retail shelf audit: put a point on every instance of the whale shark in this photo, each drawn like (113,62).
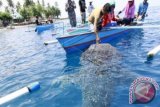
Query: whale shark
(98,76)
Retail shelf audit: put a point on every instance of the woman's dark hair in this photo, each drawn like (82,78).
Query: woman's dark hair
(107,8)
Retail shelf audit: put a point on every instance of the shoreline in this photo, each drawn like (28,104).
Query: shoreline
(27,24)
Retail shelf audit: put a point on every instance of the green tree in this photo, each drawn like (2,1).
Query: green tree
(26,13)
(1,3)
(57,12)
(43,3)
(31,9)
(53,10)
(37,10)
(5,16)
(47,12)
(56,4)
(38,2)
(49,6)
(28,3)
(40,8)
(10,3)
(6,9)
(18,6)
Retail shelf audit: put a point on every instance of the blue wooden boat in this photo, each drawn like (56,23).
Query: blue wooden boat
(41,28)
(82,40)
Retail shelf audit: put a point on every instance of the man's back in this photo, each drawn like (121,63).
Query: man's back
(82,5)
(143,8)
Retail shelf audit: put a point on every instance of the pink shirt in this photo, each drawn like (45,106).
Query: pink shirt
(129,11)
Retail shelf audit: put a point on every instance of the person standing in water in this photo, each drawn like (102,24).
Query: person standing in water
(82,5)
(90,8)
(70,8)
(96,18)
(129,13)
(142,10)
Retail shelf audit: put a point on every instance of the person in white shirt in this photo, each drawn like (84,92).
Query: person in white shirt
(90,8)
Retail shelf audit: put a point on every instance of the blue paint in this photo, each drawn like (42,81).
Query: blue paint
(33,87)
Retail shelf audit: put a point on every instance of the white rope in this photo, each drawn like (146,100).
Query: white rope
(135,27)
(123,27)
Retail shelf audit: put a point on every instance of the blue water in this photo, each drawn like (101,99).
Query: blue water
(25,59)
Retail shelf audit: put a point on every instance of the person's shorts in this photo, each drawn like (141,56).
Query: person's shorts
(83,14)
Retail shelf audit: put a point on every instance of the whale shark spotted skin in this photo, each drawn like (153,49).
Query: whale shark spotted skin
(100,72)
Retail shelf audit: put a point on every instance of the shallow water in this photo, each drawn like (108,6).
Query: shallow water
(25,59)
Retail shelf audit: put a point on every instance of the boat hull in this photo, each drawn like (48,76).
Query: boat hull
(81,42)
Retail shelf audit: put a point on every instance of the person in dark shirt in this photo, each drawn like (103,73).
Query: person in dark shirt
(82,5)
(141,14)
(37,21)
(70,8)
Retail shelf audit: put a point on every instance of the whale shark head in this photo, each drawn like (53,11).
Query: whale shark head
(101,54)
(101,58)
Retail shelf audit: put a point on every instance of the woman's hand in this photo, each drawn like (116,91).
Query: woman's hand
(97,40)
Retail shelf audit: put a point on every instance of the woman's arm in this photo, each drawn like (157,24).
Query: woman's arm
(121,11)
(96,30)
